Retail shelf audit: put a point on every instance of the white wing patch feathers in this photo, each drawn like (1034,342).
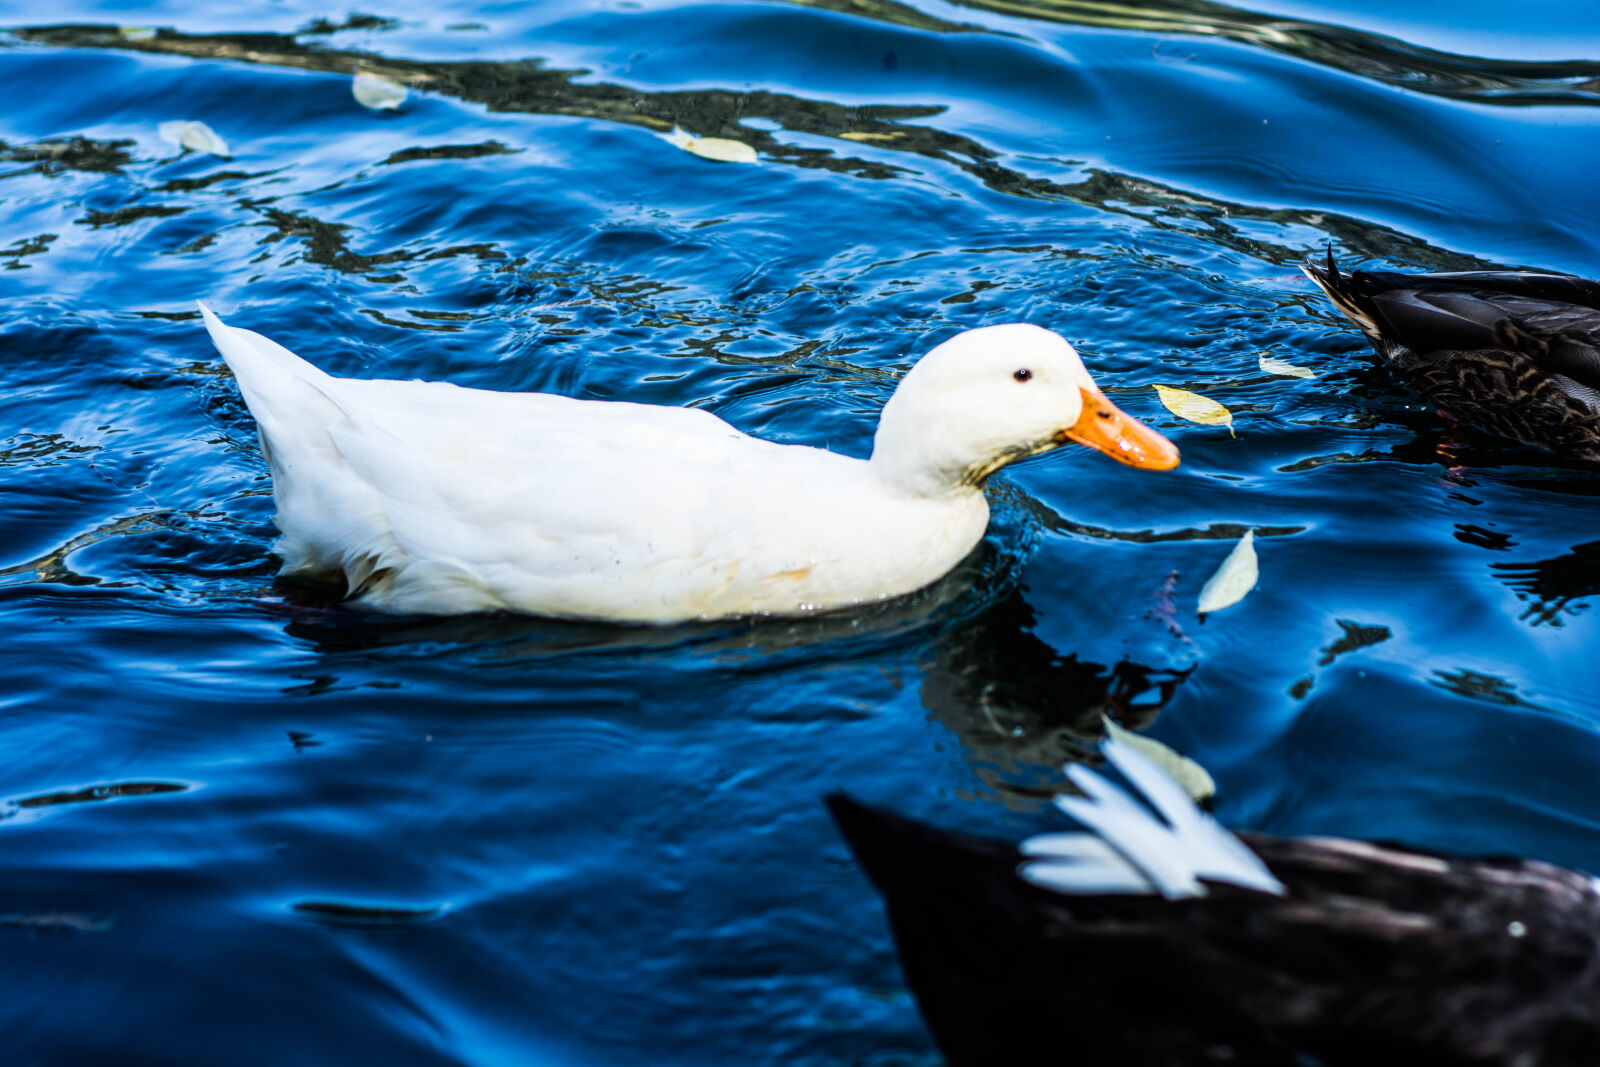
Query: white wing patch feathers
(1172,853)
(1079,863)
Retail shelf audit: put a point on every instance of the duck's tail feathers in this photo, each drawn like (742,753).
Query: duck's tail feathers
(274,381)
(1342,291)
(1129,849)
(295,406)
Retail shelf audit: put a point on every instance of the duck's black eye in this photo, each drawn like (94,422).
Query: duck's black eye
(1022,375)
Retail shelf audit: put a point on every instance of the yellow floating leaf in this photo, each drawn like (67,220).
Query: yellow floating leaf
(721,149)
(1236,577)
(1195,779)
(867,135)
(1194,407)
(380,94)
(1286,369)
(195,135)
(137,33)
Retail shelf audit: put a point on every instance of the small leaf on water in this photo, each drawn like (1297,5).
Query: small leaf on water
(195,135)
(137,33)
(1195,779)
(721,149)
(1236,577)
(378,93)
(1194,407)
(1286,369)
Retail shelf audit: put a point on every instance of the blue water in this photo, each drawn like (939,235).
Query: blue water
(244,826)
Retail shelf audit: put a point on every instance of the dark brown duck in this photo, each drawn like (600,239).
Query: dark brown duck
(1147,941)
(1514,353)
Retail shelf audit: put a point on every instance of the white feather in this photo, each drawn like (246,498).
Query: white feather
(1128,827)
(1175,853)
(1079,863)
(1215,853)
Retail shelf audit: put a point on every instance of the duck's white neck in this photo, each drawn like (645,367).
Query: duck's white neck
(911,457)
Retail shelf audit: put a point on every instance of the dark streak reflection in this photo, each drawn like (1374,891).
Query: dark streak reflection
(1557,587)
(1353,637)
(1056,522)
(350,914)
(96,793)
(68,153)
(1489,688)
(449,151)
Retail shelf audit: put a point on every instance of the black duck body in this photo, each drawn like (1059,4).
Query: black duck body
(1513,353)
(1373,955)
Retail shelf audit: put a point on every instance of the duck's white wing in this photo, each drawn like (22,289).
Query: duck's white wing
(434,498)
(537,502)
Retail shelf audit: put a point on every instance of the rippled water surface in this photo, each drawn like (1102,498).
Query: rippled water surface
(241,825)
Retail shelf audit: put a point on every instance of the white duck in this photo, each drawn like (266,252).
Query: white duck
(425,497)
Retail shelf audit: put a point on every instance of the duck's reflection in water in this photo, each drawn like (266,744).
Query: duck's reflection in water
(317,615)
(962,598)
(1021,708)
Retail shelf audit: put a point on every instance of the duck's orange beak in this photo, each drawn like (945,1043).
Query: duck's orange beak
(1104,427)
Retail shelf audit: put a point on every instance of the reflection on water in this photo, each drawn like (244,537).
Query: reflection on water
(366,916)
(1555,589)
(97,793)
(1489,688)
(70,153)
(1355,636)
(53,567)
(18,810)
(1021,708)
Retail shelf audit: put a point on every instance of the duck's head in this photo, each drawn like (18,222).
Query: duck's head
(990,396)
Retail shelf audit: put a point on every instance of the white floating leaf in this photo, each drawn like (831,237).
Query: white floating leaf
(195,135)
(1194,407)
(721,149)
(380,94)
(1195,779)
(1286,369)
(1236,577)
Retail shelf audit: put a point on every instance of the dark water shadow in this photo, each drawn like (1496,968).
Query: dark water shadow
(1021,708)
(20,809)
(1554,589)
